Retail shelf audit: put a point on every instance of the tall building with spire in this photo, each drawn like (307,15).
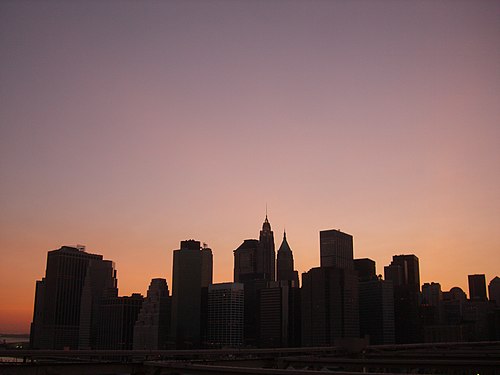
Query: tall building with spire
(266,255)
(285,266)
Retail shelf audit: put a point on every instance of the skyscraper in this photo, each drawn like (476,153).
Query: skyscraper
(266,255)
(207,266)
(336,249)
(494,290)
(68,297)
(329,299)
(365,268)
(225,314)
(279,314)
(405,276)
(376,311)
(285,266)
(186,294)
(245,261)
(152,328)
(477,287)
(118,316)
(376,304)
(254,265)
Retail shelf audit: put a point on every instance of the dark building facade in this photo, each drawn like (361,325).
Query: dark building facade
(336,249)
(280,315)
(245,261)
(376,311)
(67,299)
(207,266)
(285,265)
(152,328)
(477,287)
(266,255)
(376,304)
(494,290)
(254,266)
(225,315)
(365,268)
(118,316)
(405,276)
(187,282)
(329,299)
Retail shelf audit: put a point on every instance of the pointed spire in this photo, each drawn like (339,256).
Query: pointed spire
(284,244)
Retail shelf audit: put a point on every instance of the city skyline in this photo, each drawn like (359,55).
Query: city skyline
(129,127)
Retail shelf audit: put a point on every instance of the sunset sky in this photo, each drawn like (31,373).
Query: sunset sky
(128,126)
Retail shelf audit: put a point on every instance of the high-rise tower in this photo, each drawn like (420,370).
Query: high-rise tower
(285,267)
(67,299)
(152,328)
(266,255)
(336,249)
(477,287)
(187,283)
(405,276)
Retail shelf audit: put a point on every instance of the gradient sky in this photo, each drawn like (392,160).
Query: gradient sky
(129,126)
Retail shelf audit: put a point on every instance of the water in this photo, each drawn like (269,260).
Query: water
(13,341)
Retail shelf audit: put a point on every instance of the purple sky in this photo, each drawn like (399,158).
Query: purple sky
(129,126)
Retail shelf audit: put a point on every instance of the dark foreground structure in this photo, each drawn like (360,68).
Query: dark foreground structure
(350,358)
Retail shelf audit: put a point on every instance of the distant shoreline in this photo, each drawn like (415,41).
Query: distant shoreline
(13,338)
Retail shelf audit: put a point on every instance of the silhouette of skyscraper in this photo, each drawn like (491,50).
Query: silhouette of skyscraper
(67,298)
(285,266)
(432,311)
(279,314)
(266,255)
(494,290)
(336,249)
(152,328)
(254,265)
(477,287)
(405,276)
(376,304)
(329,299)
(365,268)
(207,266)
(187,294)
(225,314)
(245,261)
(118,316)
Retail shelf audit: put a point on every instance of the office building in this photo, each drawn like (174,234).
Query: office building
(376,311)
(67,298)
(477,287)
(453,302)
(405,276)
(365,268)
(152,328)
(329,299)
(187,294)
(118,316)
(245,261)
(376,304)
(207,266)
(279,314)
(494,290)
(225,315)
(336,249)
